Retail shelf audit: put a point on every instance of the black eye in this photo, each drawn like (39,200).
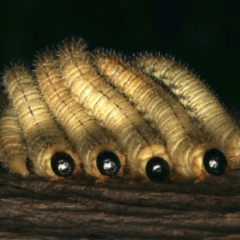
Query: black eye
(157,169)
(62,164)
(215,162)
(108,163)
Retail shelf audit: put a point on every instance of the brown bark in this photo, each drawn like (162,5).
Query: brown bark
(34,208)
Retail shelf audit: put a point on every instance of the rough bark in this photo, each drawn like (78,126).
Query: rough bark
(34,208)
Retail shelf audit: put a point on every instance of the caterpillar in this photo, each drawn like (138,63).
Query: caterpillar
(51,154)
(145,151)
(97,150)
(13,149)
(101,114)
(199,102)
(189,154)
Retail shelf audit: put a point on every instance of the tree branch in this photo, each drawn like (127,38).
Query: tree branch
(33,208)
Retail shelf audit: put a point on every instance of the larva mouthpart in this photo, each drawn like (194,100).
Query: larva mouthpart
(203,106)
(186,150)
(14,154)
(111,110)
(46,145)
(89,139)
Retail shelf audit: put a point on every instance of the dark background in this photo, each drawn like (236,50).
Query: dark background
(203,34)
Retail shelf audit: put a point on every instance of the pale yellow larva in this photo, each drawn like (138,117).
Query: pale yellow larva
(98,151)
(187,152)
(200,104)
(101,60)
(50,153)
(145,151)
(13,149)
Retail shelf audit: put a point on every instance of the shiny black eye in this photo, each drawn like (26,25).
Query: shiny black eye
(108,163)
(157,169)
(215,162)
(62,164)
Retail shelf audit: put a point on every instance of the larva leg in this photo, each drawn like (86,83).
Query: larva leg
(100,155)
(46,146)
(14,154)
(144,150)
(187,152)
(200,103)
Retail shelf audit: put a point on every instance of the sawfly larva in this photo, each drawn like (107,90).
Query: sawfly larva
(188,152)
(13,149)
(200,104)
(50,153)
(145,153)
(109,108)
(96,149)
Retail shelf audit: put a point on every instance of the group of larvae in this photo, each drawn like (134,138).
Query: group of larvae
(101,114)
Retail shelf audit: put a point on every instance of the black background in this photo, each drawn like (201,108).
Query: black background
(203,34)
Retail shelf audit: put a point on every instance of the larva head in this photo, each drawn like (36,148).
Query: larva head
(154,163)
(208,160)
(157,169)
(214,162)
(62,164)
(57,161)
(105,160)
(108,163)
